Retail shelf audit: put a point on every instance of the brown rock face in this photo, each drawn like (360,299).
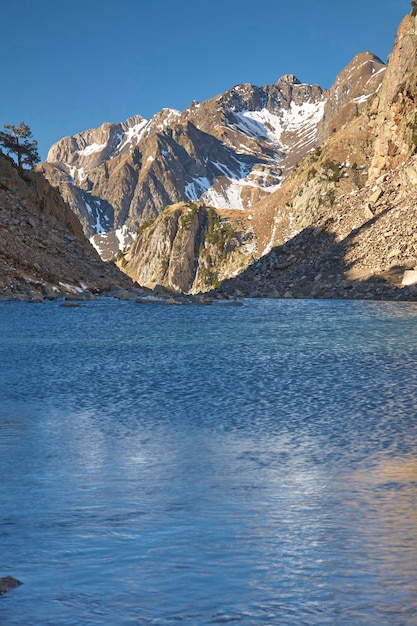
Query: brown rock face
(395,126)
(362,246)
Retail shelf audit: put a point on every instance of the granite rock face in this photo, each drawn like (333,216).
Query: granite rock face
(189,248)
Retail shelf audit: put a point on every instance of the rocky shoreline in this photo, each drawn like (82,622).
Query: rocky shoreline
(142,295)
(320,289)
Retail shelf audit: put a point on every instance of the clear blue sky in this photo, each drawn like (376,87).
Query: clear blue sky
(70,66)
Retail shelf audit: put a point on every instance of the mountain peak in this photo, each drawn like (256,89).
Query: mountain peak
(351,92)
(289,79)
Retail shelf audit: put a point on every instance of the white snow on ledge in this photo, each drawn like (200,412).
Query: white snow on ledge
(261,124)
(94,147)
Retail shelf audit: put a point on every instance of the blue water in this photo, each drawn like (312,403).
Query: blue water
(165,465)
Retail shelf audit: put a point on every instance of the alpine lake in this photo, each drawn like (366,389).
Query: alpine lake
(165,465)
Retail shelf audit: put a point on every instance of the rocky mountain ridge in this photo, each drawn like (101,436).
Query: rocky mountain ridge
(228,152)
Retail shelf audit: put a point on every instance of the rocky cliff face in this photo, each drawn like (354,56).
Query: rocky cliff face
(189,248)
(395,109)
(43,250)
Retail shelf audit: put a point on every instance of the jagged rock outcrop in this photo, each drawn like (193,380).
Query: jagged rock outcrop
(395,126)
(189,248)
(43,250)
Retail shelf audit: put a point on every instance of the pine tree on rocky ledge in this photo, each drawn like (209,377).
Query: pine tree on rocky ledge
(18,141)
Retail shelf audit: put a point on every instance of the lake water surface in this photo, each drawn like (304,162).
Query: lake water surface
(194,465)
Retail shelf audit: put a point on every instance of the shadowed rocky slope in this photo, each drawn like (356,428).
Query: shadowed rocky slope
(359,249)
(43,250)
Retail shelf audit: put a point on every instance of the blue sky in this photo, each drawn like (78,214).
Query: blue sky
(70,66)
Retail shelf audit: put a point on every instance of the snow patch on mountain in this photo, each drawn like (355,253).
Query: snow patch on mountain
(227,182)
(304,116)
(228,197)
(133,135)
(227,193)
(262,124)
(94,147)
(300,118)
(99,219)
(195,188)
(77,174)
(124,236)
(107,243)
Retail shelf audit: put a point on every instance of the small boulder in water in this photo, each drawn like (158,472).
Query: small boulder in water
(8,582)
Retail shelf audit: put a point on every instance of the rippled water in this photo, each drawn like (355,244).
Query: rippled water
(205,465)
